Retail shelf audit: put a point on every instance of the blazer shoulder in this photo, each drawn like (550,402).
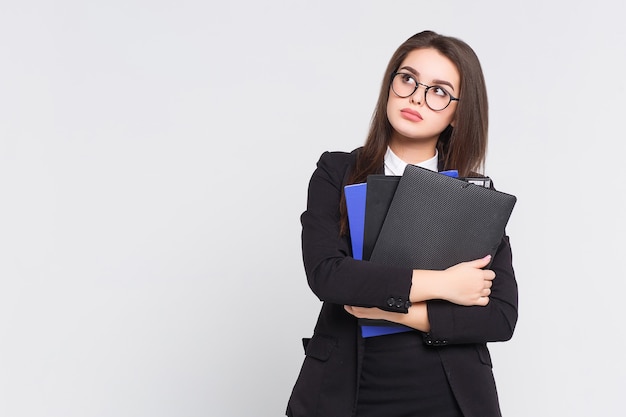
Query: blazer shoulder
(338,160)
(335,167)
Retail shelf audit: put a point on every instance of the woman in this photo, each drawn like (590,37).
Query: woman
(431,112)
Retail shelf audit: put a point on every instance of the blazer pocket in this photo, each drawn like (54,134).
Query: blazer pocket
(319,347)
(483,354)
(314,375)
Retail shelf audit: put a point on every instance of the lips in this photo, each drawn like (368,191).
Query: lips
(411,115)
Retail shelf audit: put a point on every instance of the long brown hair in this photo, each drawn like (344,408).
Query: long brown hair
(463,147)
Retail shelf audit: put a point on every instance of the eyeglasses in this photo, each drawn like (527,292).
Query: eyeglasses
(405,85)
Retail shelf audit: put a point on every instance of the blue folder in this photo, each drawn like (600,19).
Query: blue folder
(355,203)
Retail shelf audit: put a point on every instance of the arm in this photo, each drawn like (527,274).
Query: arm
(416,317)
(333,275)
(476,324)
(493,318)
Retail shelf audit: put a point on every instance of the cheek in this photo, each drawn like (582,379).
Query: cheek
(392,114)
(449,119)
(388,111)
(452,116)
(392,103)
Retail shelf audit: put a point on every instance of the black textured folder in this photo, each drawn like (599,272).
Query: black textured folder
(435,221)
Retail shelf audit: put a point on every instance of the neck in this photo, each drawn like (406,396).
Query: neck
(413,153)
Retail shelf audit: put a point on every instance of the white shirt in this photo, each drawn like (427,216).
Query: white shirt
(395,166)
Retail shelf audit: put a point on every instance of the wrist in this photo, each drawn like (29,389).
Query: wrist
(416,318)
(426,285)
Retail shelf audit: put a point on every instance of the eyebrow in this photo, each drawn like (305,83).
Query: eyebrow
(414,72)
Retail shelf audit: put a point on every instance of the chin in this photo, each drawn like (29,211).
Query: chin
(412,136)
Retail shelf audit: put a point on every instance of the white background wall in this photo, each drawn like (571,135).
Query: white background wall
(154,159)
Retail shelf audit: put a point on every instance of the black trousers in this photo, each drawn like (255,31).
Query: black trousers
(403,377)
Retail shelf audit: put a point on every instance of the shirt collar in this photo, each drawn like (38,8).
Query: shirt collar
(395,166)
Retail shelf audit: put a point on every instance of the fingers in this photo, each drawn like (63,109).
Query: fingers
(358,312)
(364,312)
(483,298)
(480,263)
(488,275)
(482,301)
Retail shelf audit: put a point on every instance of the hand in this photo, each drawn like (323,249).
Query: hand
(368,313)
(467,283)
(417,317)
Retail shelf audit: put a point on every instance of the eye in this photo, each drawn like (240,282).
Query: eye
(440,91)
(407,79)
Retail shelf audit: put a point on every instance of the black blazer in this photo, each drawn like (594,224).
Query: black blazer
(328,381)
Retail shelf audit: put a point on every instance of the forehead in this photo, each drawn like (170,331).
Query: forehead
(431,65)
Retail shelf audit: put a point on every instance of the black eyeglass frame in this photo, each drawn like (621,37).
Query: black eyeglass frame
(417,85)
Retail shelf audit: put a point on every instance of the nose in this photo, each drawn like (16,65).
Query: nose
(417,97)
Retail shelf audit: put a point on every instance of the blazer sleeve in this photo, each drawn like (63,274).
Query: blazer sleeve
(453,324)
(332,274)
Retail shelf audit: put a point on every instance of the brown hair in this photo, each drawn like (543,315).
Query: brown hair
(463,147)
